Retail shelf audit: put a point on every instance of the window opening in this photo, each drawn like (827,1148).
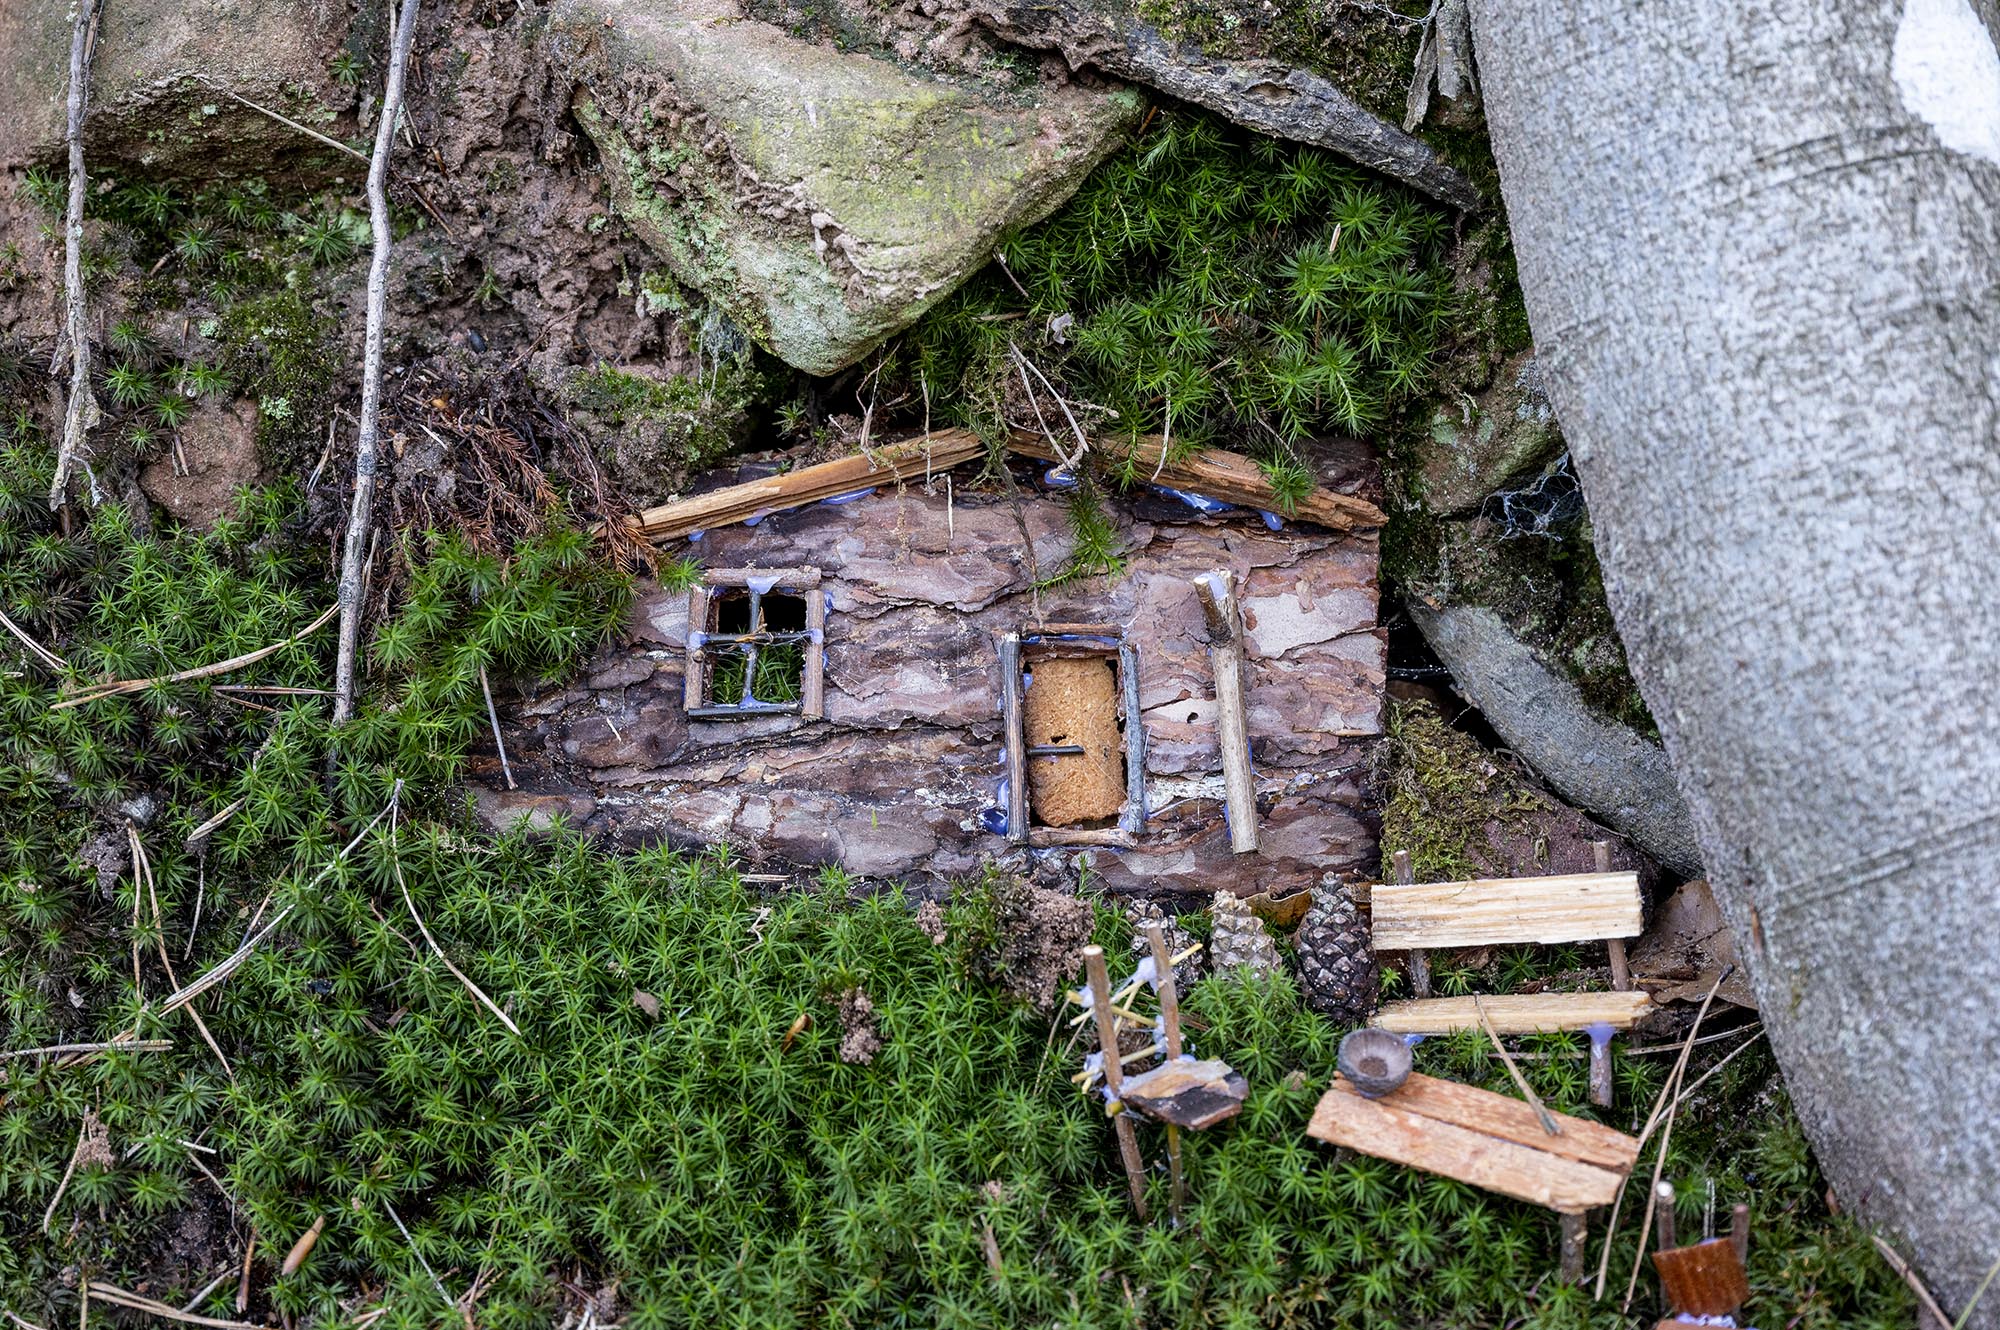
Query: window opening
(756,644)
(1075,746)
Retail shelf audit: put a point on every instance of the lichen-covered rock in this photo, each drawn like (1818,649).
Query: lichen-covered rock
(160,85)
(822,199)
(1481,444)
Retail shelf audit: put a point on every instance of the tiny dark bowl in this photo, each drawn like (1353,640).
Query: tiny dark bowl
(1374,1061)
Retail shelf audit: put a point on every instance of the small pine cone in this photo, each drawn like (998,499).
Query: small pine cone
(1337,956)
(1179,940)
(1238,940)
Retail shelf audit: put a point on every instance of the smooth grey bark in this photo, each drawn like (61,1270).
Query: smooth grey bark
(1602,767)
(1767,296)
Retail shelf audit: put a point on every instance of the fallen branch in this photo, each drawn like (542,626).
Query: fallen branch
(352,560)
(289,124)
(1264,95)
(493,718)
(97,692)
(1909,1276)
(81,415)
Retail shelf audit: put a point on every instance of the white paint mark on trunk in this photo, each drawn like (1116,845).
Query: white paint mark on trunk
(1948,74)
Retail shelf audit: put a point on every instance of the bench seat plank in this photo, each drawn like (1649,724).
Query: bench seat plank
(1520,1013)
(1571,907)
(1388,1128)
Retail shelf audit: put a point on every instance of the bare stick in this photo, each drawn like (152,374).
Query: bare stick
(81,415)
(1403,874)
(143,873)
(213,1285)
(1575,1236)
(1114,1075)
(41,653)
(437,1283)
(243,1281)
(1663,1213)
(25,1325)
(1547,1119)
(371,370)
(493,718)
(97,692)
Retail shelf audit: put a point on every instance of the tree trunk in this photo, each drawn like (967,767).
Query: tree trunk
(1759,247)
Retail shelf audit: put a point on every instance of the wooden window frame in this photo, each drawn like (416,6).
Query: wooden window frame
(759,582)
(1088,640)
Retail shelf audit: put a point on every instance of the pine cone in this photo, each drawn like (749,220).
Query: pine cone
(1337,956)
(1237,938)
(1179,940)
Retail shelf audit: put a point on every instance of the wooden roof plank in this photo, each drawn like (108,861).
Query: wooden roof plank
(1512,1119)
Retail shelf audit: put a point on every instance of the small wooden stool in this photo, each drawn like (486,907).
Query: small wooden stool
(1706,1278)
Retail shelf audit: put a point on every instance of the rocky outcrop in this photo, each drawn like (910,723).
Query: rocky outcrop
(161,81)
(903,775)
(822,199)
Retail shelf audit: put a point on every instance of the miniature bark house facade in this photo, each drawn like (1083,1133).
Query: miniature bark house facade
(876,681)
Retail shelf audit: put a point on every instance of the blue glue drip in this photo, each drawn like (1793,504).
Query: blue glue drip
(694,537)
(1273,521)
(847,498)
(756,517)
(695,639)
(1412,1040)
(761,585)
(1057,478)
(994,820)
(1201,503)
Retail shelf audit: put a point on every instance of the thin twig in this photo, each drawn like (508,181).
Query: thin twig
(472,988)
(110,1046)
(1909,1276)
(97,692)
(119,1297)
(1663,1110)
(24,1324)
(437,1283)
(356,546)
(143,870)
(1548,1121)
(494,719)
(213,1285)
(81,415)
(1965,1317)
(291,124)
(49,1215)
(41,653)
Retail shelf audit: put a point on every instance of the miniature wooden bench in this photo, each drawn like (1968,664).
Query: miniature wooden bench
(1487,1140)
(1573,907)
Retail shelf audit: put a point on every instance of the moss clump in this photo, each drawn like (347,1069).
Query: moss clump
(1445,796)
(652,434)
(278,345)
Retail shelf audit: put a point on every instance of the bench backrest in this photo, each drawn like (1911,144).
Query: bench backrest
(1572,907)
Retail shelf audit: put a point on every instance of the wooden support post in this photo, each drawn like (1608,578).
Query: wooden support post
(1225,654)
(1575,1237)
(1114,1075)
(1621,972)
(1663,1216)
(1600,1065)
(695,694)
(1016,739)
(1739,1232)
(1170,1022)
(812,696)
(1133,817)
(1420,965)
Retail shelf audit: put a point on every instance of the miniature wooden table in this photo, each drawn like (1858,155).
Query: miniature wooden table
(1489,1140)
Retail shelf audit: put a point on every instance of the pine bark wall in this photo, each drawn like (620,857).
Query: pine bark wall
(903,775)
